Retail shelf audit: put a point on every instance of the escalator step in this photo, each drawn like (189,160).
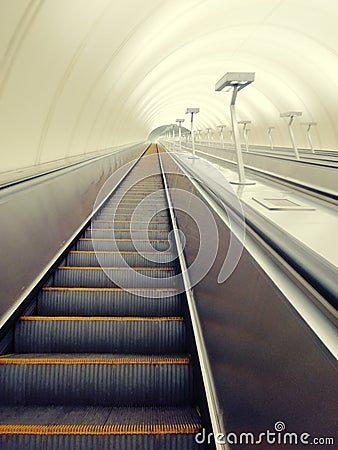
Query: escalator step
(129,224)
(109,215)
(126,234)
(123,244)
(104,428)
(113,259)
(68,276)
(109,302)
(156,335)
(116,380)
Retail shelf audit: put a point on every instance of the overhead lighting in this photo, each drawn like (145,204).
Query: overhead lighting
(192,110)
(241,79)
(237,81)
(291,114)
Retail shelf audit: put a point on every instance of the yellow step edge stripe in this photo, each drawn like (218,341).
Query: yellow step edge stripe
(123,252)
(92,289)
(103,319)
(133,205)
(125,229)
(124,240)
(131,221)
(91,361)
(114,268)
(101,430)
(131,208)
(107,208)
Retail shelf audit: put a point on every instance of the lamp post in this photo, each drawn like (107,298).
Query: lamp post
(245,132)
(180,121)
(270,136)
(221,135)
(292,115)
(237,81)
(208,135)
(192,111)
(309,125)
(173,136)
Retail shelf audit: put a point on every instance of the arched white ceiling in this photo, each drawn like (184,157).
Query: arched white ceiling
(80,76)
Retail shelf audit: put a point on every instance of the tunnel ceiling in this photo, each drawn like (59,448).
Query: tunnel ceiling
(80,76)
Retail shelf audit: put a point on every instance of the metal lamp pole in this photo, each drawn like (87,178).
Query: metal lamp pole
(221,127)
(270,136)
(180,121)
(292,115)
(309,125)
(245,132)
(192,111)
(238,81)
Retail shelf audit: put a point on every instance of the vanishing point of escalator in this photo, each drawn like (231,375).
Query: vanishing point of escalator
(97,366)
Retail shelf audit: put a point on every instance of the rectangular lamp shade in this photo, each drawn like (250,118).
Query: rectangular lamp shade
(234,78)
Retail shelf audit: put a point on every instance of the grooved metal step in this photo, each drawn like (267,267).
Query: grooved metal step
(126,244)
(130,224)
(104,428)
(120,380)
(113,259)
(107,213)
(109,302)
(133,234)
(96,277)
(155,335)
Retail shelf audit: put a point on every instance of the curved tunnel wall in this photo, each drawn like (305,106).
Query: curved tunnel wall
(82,76)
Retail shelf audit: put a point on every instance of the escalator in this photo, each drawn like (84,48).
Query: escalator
(100,366)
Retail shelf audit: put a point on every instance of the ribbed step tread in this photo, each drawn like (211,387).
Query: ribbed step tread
(109,302)
(69,276)
(123,244)
(104,428)
(100,334)
(115,258)
(126,244)
(127,234)
(107,420)
(131,223)
(115,380)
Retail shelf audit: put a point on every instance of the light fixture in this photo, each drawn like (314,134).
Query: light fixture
(237,81)
(192,111)
(245,132)
(309,125)
(180,121)
(292,115)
